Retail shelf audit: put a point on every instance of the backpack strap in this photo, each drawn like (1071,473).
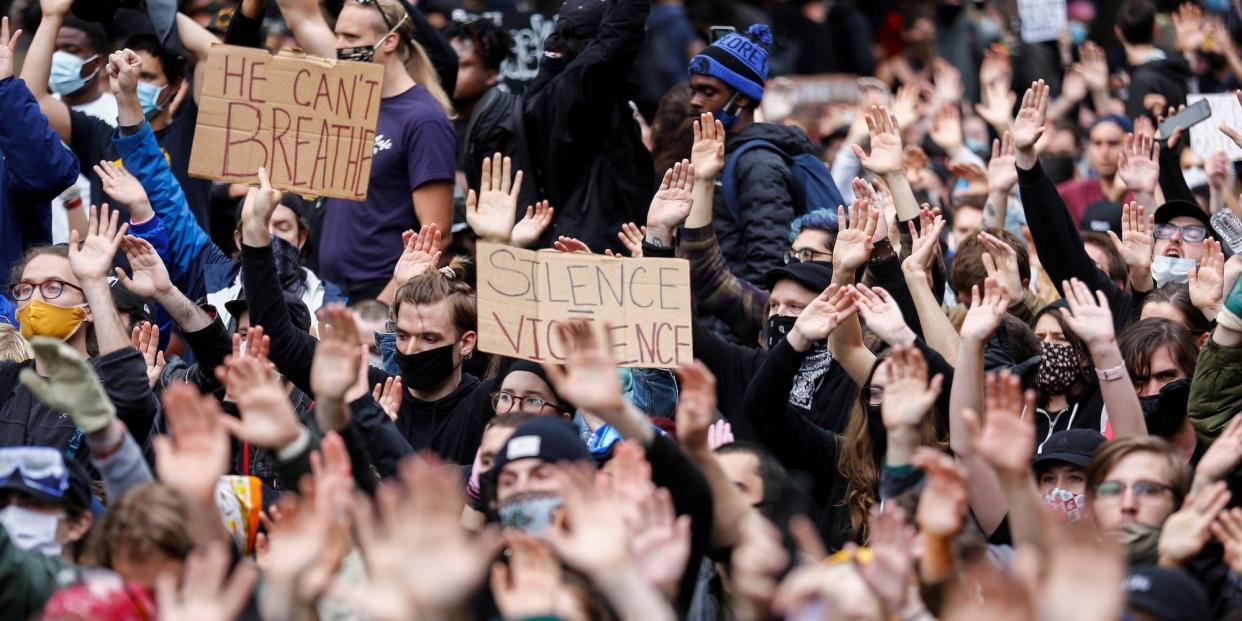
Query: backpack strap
(729,178)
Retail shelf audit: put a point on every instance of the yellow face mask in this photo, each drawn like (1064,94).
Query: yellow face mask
(38,318)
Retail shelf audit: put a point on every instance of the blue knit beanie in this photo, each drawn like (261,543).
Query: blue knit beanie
(738,59)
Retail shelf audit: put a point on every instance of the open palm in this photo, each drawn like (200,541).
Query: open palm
(93,259)
(1136,244)
(908,396)
(1028,127)
(150,277)
(671,204)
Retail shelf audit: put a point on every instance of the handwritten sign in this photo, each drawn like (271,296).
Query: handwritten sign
(1206,137)
(310,121)
(524,295)
(528,31)
(1042,20)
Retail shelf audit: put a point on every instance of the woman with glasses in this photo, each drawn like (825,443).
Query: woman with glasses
(525,388)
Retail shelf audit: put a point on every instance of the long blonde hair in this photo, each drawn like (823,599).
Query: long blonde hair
(416,61)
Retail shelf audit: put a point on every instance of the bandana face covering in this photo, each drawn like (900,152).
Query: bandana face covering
(1058,370)
(1063,501)
(778,327)
(530,512)
(38,318)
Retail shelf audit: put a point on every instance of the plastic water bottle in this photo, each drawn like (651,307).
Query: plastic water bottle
(1229,227)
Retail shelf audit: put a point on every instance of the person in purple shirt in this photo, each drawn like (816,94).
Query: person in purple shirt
(415,146)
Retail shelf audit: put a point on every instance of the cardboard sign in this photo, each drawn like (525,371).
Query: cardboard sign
(523,295)
(310,121)
(1042,20)
(1206,137)
(528,31)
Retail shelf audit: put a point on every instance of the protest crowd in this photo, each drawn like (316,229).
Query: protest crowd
(613,309)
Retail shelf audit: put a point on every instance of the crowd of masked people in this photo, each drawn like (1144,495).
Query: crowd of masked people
(967,347)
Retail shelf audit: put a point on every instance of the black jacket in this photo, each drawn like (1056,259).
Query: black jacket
(589,160)
(765,200)
(1167,77)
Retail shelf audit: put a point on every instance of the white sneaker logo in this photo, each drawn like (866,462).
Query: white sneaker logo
(381,144)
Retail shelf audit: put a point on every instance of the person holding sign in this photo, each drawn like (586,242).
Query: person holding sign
(413,165)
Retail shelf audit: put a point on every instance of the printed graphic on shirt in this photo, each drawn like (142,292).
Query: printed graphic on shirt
(381,144)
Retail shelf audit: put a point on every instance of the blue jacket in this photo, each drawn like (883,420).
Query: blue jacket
(34,167)
(198,267)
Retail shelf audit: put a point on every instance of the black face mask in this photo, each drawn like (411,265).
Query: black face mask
(1059,167)
(1165,412)
(778,327)
(359,53)
(425,369)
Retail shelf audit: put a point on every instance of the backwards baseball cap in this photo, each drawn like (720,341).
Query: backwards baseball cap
(546,438)
(1072,446)
(739,59)
(814,275)
(43,473)
(1166,594)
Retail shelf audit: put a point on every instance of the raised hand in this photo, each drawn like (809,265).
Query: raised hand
(529,585)
(8,48)
(1074,86)
(908,396)
(150,278)
(886,153)
(707,154)
(589,378)
(821,317)
(696,406)
(758,561)
(208,592)
(719,434)
(1000,261)
(1207,279)
(855,236)
(416,542)
(592,538)
(976,190)
(942,503)
(1222,456)
(1188,27)
(946,130)
(420,255)
(1007,438)
(671,204)
(995,66)
(1228,530)
(924,242)
(1028,127)
(1088,316)
(1234,134)
(121,185)
(491,211)
(146,339)
(527,230)
(1139,163)
(71,385)
(882,315)
(124,70)
(1186,532)
(267,418)
(985,313)
(194,457)
(1093,66)
(631,237)
(570,244)
(388,396)
(92,260)
(336,365)
(1137,242)
(660,542)
(257,211)
(1002,171)
(947,80)
(894,546)
(997,106)
(908,104)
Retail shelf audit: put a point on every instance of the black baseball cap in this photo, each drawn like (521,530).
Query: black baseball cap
(814,275)
(1184,209)
(1101,217)
(546,438)
(127,301)
(1166,594)
(298,312)
(1072,446)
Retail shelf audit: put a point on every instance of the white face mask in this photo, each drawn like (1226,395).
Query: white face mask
(31,530)
(1171,269)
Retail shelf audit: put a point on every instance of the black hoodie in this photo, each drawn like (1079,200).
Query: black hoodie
(1167,77)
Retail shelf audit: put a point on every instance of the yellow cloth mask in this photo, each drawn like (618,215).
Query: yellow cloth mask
(38,318)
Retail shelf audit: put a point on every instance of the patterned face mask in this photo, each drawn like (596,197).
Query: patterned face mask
(1058,370)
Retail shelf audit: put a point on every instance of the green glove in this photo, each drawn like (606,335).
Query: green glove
(71,385)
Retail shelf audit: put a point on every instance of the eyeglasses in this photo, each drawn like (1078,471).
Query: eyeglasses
(1192,233)
(1144,488)
(41,468)
(804,255)
(875,395)
(49,289)
(503,403)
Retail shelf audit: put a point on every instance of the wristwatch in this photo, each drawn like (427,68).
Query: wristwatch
(1111,375)
(881,252)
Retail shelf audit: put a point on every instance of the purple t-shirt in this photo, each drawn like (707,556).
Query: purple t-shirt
(414,145)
